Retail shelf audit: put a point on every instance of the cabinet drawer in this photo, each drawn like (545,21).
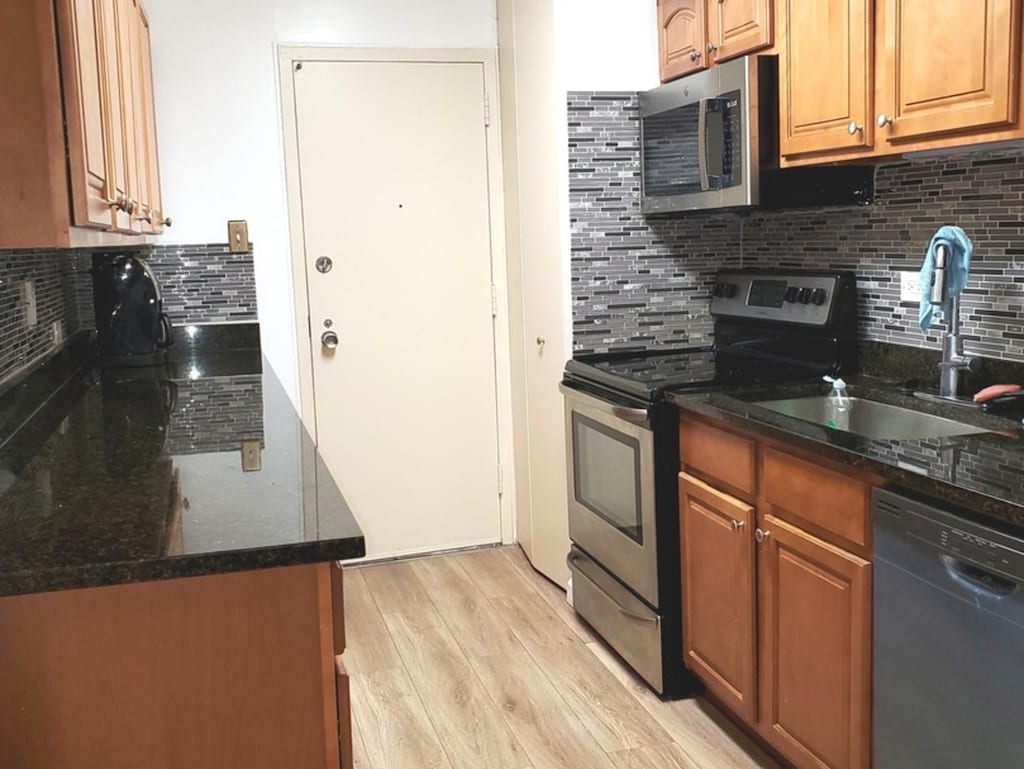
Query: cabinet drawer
(338,607)
(810,495)
(344,713)
(718,455)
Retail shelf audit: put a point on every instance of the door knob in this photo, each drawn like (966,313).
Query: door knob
(329,339)
(854,128)
(883,120)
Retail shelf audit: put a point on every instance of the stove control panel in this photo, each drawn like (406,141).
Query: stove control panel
(800,298)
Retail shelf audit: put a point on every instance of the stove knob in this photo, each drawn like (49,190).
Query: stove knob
(818,296)
(791,293)
(804,296)
(731,290)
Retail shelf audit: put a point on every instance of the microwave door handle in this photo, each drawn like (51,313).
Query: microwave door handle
(702,143)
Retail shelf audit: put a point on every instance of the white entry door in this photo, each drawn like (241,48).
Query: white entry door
(393,169)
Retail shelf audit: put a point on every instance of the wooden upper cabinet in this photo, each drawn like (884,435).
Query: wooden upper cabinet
(83,71)
(717,554)
(738,27)
(815,665)
(948,66)
(682,37)
(153,200)
(826,75)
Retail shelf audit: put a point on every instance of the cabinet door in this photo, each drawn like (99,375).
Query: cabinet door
(155,206)
(716,548)
(682,37)
(115,103)
(815,603)
(127,24)
(739,27)
(948,66)
(826,75)
(140,125)
(82,70)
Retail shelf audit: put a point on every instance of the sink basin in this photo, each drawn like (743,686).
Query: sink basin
(871,419)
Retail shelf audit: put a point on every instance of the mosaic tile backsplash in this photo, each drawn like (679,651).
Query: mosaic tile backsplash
(639,282)
(200,283)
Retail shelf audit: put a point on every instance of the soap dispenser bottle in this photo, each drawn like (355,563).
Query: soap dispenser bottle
(838,399)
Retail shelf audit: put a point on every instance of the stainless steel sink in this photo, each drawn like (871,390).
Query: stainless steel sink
(870,418)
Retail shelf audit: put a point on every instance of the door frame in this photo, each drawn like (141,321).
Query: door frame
(288,56)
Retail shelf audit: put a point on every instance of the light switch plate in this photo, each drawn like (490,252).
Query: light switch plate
(910,287)
(238,236)
(252,456)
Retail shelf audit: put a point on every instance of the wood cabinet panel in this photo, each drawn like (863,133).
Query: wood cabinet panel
(214,671)
(112,52)
(949,66)
(719,455)
(806,493)
(815,602)
(826,75)
(739,27)
(682,37)
(153,202)
(717,555)
(82,70)
(345,742)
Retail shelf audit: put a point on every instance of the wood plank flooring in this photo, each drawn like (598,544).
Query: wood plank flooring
(474,660)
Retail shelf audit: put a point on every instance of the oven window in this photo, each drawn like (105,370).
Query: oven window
(606,466)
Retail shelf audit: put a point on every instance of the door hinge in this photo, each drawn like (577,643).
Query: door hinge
(501,481)
(487,109)
(494,301)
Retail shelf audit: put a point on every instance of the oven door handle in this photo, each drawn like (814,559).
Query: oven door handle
(571,561)
(634,416)
(702,144)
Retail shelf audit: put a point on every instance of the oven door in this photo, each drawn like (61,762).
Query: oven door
(610,461)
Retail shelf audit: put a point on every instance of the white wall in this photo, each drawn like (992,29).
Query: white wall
(219,119)
(607,45)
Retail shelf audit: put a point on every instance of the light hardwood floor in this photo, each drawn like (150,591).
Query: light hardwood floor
(475,661)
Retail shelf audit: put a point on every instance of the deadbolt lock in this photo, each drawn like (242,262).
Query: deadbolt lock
(329,339)
(324,264)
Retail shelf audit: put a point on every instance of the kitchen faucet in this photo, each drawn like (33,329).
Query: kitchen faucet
(954,360)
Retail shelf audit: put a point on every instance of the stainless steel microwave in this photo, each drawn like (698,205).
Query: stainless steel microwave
(701,137)
(711,140)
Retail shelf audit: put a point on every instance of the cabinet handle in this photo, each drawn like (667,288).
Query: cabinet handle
(166,221)
(854,128)
(694,55)
(761,535)
(737,525)
(148,217)
(883,120)
(712,47)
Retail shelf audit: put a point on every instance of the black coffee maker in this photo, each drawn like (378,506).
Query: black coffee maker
(131,325)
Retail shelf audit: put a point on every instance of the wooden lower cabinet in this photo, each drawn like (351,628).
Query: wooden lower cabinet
(815,641)
(226,670)
(717,552)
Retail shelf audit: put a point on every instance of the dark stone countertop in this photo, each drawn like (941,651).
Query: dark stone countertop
(983,474)
(109,477)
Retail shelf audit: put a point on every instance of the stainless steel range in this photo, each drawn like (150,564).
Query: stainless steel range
(623,449)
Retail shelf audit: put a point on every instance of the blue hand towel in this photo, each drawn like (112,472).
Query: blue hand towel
(958,270)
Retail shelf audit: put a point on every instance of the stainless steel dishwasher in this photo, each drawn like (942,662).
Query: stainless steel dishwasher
(948,640)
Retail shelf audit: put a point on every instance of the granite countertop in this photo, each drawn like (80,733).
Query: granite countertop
(982,473)
(108,477)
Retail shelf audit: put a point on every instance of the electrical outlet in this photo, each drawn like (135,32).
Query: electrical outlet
(910,287)
(28,298)
(56,333)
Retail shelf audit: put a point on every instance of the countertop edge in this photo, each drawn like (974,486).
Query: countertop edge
(180,567)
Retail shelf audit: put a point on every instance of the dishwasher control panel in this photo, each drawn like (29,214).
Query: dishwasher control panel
(957,537)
